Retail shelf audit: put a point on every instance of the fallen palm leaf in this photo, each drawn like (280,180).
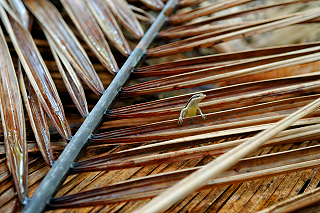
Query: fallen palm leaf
(125,16)
(205,33)
(216,30)
(66,42)
(125,158)
(237,120)
(91,33)
(33,148)
(94,118)
(217,100)
(37,73)
(20,9)
(108,24)
(12,117)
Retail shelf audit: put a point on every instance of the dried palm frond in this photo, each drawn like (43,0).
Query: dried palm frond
(257,146)
(224,162)
(221,73)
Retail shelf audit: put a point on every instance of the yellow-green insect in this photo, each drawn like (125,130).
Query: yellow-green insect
(191,107)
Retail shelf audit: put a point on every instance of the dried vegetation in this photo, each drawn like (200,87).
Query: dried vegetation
(257,62)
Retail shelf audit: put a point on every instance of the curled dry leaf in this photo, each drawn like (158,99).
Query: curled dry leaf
(66,41)
(121,10)
(109,25)
(91,33)
(37,73)
(13,122)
